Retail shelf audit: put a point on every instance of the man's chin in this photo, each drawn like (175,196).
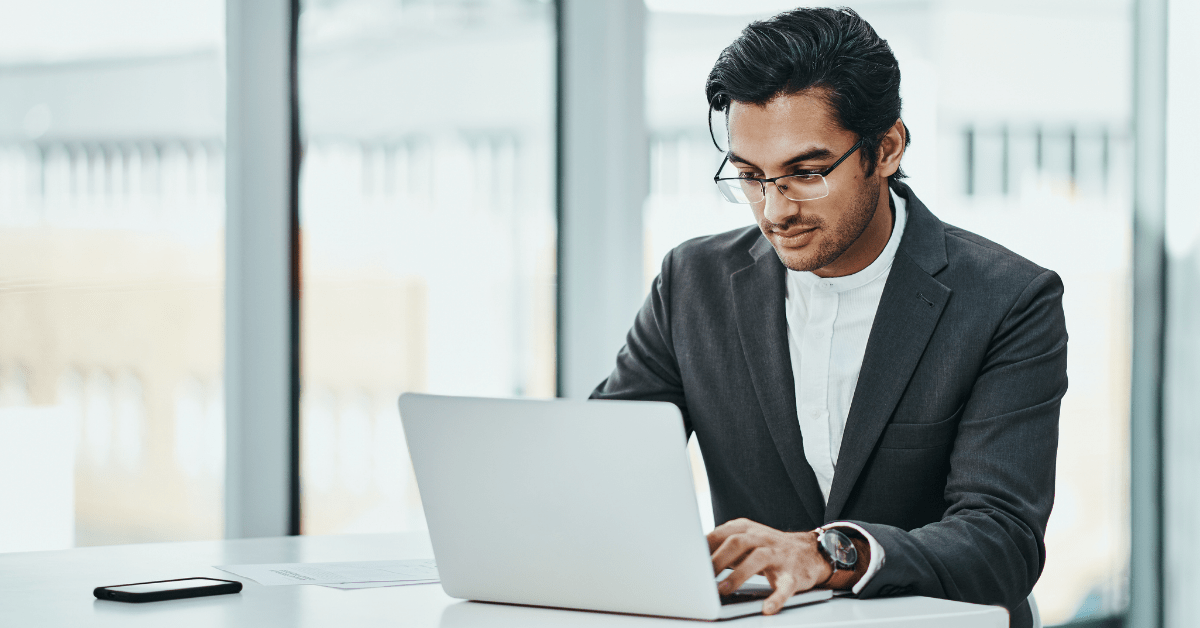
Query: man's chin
(808,259)
(801,263)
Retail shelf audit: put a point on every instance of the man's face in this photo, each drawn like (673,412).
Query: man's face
(795,134)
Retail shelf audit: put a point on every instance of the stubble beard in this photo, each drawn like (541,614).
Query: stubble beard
(844,233)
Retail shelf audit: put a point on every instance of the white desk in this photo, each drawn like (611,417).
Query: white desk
(55,589)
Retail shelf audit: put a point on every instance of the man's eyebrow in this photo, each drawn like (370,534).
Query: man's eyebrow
(812,153)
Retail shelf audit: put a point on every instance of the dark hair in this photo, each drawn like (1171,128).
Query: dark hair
(832,50)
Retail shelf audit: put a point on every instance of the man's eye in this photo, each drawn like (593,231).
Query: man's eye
(748,175)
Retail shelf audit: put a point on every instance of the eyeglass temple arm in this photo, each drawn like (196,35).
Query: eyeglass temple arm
(717,177)
(837,163)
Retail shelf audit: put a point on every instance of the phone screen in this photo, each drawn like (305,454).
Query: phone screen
(172,585)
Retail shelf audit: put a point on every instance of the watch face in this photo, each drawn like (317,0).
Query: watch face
(839,548)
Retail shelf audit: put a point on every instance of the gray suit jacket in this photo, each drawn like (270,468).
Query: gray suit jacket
(949,449)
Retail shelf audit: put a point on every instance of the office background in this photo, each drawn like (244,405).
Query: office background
(486,189)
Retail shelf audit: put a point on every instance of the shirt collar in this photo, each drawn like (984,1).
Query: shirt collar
(880,266)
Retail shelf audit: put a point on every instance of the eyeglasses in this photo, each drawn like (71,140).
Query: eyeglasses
(794,187)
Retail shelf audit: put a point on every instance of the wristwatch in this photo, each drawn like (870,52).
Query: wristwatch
(838,549)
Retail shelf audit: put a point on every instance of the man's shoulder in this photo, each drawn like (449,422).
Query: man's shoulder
(970,252)
(986,273)
(969,258)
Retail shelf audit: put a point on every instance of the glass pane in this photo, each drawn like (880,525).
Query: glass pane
(1030,148)
(428,232)
(111,272)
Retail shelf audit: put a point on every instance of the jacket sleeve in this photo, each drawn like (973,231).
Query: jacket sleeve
(988,547)
(647,369)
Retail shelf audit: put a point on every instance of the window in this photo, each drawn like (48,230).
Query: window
(428,232)
(111,272)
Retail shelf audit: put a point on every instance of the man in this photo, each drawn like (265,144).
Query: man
(852,360)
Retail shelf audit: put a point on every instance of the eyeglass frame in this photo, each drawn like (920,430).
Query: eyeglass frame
(762,183)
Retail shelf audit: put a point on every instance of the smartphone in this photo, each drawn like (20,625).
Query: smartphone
(167,590)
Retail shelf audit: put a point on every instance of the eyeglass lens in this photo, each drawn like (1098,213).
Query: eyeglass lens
(796,188)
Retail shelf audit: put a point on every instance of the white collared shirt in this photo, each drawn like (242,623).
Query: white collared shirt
(829,320)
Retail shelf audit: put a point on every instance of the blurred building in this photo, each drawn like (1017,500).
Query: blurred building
(111,214)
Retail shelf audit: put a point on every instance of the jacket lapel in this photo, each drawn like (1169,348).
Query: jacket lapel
(758,299)
(909,309)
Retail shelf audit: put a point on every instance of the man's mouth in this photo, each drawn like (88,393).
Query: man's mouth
(796,236)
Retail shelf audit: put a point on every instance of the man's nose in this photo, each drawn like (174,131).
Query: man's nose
(778,208)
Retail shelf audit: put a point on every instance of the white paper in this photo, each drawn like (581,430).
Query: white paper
(277,574)
(373,585)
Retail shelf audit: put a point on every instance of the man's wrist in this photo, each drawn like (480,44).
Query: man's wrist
(841,578)
(845,579)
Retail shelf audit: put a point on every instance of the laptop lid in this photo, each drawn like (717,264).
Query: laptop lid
(575,504)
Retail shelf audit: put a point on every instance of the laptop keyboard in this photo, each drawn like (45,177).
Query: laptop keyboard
(746,594)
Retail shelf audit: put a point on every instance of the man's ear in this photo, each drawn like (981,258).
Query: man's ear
(891,149)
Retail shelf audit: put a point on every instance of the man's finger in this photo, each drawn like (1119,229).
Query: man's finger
(724,531)
(785,587)
(731,552)
(753,563)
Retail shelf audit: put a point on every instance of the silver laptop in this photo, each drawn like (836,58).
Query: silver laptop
(584,505)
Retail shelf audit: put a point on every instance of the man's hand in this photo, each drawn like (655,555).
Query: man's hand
(789,560)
